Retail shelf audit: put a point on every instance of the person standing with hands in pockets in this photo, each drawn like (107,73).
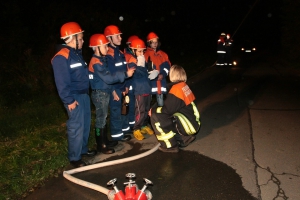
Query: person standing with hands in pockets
(72,83)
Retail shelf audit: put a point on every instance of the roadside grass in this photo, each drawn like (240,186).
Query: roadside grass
(34,142)
(33,145)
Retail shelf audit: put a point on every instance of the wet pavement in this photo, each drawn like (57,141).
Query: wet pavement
(247,147)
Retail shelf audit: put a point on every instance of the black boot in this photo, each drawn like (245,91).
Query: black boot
(100,140)
(185,140)
(107,141)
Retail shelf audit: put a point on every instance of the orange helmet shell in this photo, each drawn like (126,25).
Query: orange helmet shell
(151,36)
(98,40)
(129,40)
(69,29)
(137,44)
(111,30)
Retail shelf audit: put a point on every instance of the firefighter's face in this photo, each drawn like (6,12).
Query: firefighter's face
(154,43)
(116,39)
(79,40)
(104,49)
(139,52)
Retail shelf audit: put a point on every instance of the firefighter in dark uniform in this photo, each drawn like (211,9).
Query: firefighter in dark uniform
(101,81)
(72,83)
(141,87)
(116,62)
(221,51)
(178,120)
(131,105)
(228,48)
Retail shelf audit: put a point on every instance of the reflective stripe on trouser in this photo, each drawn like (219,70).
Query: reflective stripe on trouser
(188,127)
(163,129)
(78,127)
(116,119)
(189,123)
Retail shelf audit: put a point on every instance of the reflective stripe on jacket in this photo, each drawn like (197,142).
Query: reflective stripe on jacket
(70,74)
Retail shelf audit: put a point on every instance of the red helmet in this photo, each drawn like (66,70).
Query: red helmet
(69,29)
(98,40)
(129,40)
(111,30)
(151,36)
(137,44)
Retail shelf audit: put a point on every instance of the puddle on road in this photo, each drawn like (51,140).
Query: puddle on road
(185,175)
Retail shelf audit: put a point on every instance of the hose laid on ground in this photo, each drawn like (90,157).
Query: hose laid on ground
(68,174)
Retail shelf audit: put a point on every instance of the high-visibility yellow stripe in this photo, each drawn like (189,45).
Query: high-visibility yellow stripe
(187,125)
(196,113)
(164,137)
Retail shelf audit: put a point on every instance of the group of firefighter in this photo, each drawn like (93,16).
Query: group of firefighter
(138,73)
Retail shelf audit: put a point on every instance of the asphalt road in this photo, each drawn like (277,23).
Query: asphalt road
(247,147)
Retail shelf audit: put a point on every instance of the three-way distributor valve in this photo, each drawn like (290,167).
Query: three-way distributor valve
(131,190)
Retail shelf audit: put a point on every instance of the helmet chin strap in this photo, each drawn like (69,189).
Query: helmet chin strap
(100,51)
(76,39)
(112,42)
(134,51)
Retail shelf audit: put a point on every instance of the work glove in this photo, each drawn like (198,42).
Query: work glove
(141,61)
(153,74)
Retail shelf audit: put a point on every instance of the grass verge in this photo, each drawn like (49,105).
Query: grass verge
(33,145)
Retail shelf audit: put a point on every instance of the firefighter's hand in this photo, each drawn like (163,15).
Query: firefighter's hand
(153,74)
(130,72)
(126,91)
(73,105)
(149,113)
(115,95)
(141,61)
(160,77)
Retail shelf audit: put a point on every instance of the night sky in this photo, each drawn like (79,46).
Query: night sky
(181,25)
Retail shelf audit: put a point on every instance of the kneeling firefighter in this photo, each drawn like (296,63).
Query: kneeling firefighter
(176,123)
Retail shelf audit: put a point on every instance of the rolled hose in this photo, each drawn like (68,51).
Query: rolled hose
(68,174)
